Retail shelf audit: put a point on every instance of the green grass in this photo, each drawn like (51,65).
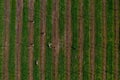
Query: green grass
(62,66)
(11,65)
(75,32)
(110,40)
(24,47)
(49,60)
(36,73)
(86,48)
(1,35)
(98,39)
(119,42)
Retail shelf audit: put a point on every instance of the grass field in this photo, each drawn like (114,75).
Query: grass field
(105,48)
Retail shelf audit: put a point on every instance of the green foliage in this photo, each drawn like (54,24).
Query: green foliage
(36,70)
(24,46)
(86,49)
(98,39)
(110,40)
(11,65)
(62,66)
(1,34)
(49,60)
(75,32)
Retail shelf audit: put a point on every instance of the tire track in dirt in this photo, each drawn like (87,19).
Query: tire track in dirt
(92,40)
(81,37)
(19,23)
(55,38)
(68,38)
(104,38)
(42,38)
(6,39)
(116,40)
(31,36)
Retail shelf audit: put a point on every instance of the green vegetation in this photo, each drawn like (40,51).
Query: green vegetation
(110,40)
(86,49)
(24,47)
(75,35)
(49,60)
(75,32)
(1,34)
(62,66)
(98,40)
(11,65)
(119,43)
(36,73)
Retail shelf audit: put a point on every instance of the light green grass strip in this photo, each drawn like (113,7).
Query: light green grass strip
(75,32)
(62,66)
(98,39)
(24,47)
(11,65)
(49,60)
(86,49)
(110,39)
(1,34)
(36,73)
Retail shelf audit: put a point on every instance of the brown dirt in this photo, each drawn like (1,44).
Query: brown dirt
(68,38)
(31,38)
(55,37)
(6,40)
(18,38)
(42,38)
(81,37)
(92,40)
(116,24)
(104,38)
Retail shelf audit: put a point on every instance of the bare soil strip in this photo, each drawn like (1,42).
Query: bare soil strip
(81,37)
(68,38)
(31,37)
(92,40)
(116,48)
(55,37)
(104,38)
(19,7)
(6,39)
(42,38)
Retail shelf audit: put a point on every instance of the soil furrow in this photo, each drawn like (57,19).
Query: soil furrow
(6,39)
(42,38)
(81,37)
(55,37)
(31,40)
(19,10)
(92,40)
(68,37)
(116,40)
(104,38)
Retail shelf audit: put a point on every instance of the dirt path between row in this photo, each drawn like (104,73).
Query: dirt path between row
(68,38)
(104,26)
(81,37)
(31,36)
(6,39)
(42,38)
(19,7)
(55,37)
(116,40)
(92,40)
